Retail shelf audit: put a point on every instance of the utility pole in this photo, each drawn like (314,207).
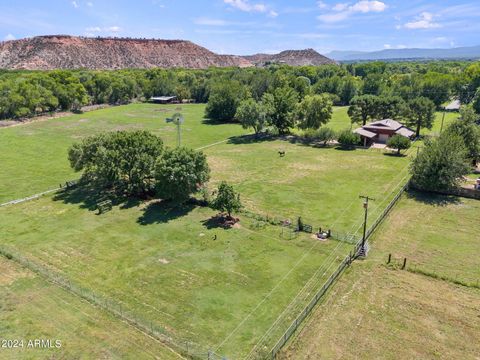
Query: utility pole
(365,206)
(443,118)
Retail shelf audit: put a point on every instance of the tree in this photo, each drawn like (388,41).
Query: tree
(399,142)
(122,161)
(179,173)
(224,100)
(227,199)
(348,139)
(390,107)
(363,108)
(468,131)
(441,164)
(253,114)
(325,134)
(313,111)
(283,104)
(420,113)
(476,101)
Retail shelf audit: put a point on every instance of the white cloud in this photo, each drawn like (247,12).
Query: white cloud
(340,7)
(272,13)
(322,5)
(388,46)
(9,37)
(96,30)
(424,21)
(334,17)
(245,5)
(368,6)
(75,4)
(89,4)
(93,29)
(113,29)
(342,11)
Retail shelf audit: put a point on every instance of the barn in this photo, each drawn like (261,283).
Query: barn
(164,99)
(382,130)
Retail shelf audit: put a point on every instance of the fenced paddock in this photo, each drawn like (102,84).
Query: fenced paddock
(233,295)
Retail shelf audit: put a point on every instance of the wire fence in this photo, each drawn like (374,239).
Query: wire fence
(260,353)
(184,347)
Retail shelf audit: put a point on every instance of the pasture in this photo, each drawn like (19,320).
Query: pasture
(32,308)
(221,289)
(406,314)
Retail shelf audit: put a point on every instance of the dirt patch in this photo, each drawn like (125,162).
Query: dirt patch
(163,261)
(10,272)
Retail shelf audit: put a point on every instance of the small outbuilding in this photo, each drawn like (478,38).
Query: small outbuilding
(164,99)
(453,106)
(382,130)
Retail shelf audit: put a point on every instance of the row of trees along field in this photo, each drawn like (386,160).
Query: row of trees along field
(27,93)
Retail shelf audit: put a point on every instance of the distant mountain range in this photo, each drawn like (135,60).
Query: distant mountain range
(472,52)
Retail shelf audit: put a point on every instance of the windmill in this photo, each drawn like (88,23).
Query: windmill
(176,119)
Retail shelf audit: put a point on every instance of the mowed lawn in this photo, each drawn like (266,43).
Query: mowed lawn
(379,309)
(221,293)
(321,185)
(32,308)
(34,159)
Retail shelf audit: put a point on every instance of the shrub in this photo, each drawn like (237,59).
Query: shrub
(227,199)
(348,139)
(399,142)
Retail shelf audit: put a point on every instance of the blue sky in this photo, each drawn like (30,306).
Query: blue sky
(251,26)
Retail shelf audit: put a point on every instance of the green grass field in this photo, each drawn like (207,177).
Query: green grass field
(32,308)
(164,264)
(34,156)
(379,309)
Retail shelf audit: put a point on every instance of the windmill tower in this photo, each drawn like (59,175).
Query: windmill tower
(178,120)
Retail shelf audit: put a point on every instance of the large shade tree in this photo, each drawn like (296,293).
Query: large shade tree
(363,108)
(441,164)
(122,161)
(283,103)
(420,114)
(255,114)
(179,173)
(313,111)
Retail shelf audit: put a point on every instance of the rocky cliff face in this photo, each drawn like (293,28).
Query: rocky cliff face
(291,57)
(69,52)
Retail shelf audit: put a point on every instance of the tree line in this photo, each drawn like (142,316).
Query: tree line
(27,93)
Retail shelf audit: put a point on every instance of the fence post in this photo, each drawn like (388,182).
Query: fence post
(404,263)
(389,258)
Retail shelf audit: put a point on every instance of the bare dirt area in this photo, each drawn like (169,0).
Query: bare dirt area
(50,116)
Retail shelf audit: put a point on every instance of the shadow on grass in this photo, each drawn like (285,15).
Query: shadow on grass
(394,154)
(87,197)
(432,198)
(345,148)
(216,122)
(251,139)
(220,221)
(163,211)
